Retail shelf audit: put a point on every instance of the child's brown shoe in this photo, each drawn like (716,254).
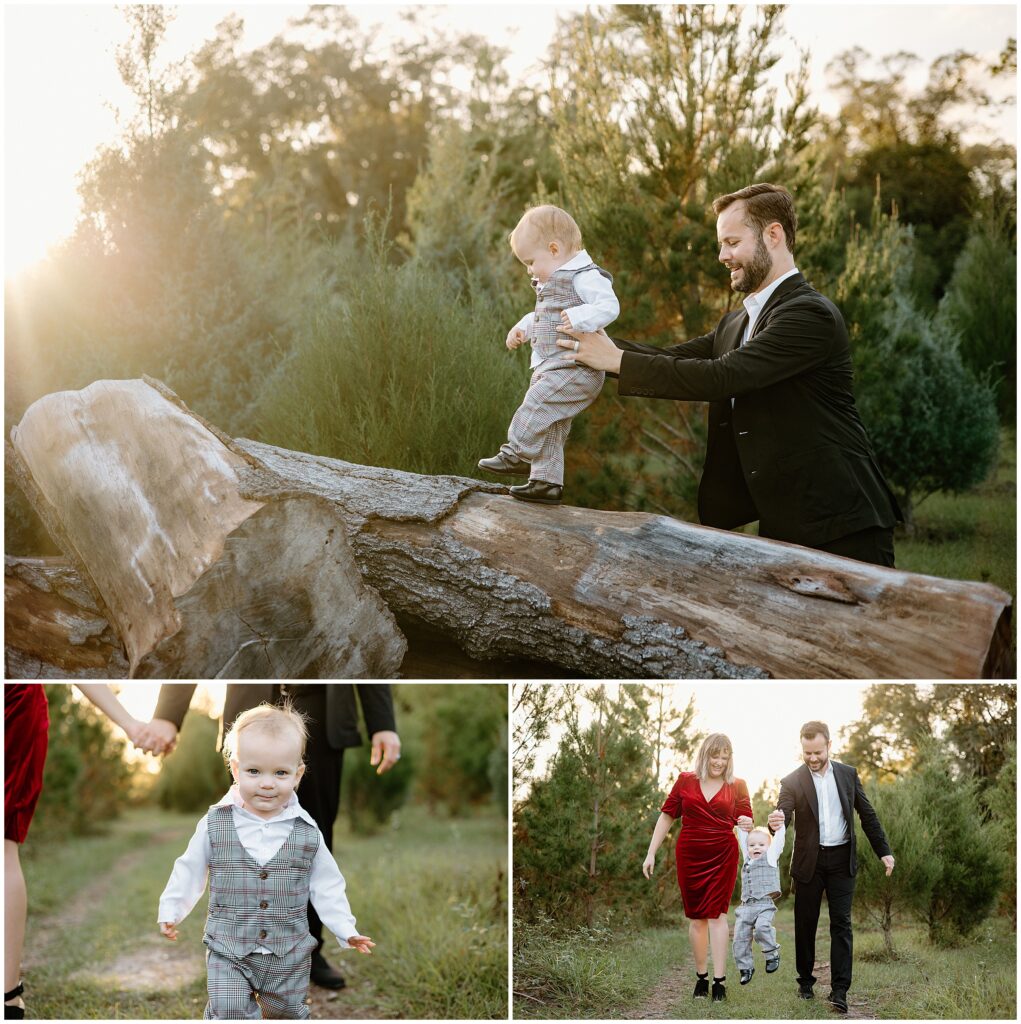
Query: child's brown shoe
(510,465)
(538,491)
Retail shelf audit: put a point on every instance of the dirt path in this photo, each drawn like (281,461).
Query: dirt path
(677,983)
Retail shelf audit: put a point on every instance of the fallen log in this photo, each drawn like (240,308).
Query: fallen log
(196,580)
(603,594)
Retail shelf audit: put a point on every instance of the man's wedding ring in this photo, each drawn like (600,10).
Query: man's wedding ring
(577,345)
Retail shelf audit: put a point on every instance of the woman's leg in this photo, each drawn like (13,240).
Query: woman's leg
(698,935)
(719,939)
(15,911)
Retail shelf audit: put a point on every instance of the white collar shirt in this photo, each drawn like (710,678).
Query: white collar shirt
(261,838)
(833,830)
(755,302)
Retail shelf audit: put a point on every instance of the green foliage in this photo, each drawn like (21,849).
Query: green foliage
(980,304)
(400,369)
(369,799)
(463,735)
(578,835)
(194,776)
(932,423)
(86,781)
(975,723)
(903,810)
(1000,802)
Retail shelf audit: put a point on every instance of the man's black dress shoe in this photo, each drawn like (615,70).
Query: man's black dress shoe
(805,992)
(501,462)
(538,491)
(746,976)
(838,998)
(772,964)
(719,990)
(701,986)
(324,975)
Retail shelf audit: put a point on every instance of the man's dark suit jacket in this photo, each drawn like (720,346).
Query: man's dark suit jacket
(798,797)
(341,707)
(792,451)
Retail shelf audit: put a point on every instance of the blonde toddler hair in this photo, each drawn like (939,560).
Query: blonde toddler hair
(546,224)
(271,719)
(764,831)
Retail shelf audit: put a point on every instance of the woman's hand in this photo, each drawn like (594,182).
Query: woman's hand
(745,823)
(592,349)
(649,866)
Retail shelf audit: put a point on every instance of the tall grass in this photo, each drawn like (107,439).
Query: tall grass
(404,370)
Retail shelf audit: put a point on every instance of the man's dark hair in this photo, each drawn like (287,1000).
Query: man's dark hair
(764,204)
(812,729)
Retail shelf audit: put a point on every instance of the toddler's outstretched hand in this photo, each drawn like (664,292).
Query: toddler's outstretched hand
(169,930)
(362,943)
(515,337)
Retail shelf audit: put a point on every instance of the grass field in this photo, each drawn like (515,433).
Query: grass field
(430,890)
(649,974)
(970,536)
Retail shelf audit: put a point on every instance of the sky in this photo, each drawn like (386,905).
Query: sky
(762,721)
(62,90)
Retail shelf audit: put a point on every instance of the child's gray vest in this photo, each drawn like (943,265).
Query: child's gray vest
(552,298)
(251,904)
(759,879)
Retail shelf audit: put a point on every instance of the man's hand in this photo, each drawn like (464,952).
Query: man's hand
(158,737)
(386,750)
(515,337)
(169,930)
(362,943)
(593,349)
(888,861)
(776,819)
(745,824)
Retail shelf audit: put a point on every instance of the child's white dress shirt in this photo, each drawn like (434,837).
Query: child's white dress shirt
(261,838)
(599,303)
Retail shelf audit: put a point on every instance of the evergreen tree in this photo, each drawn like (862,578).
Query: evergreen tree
(1000,801)
(932,423)
(86,781)
(902,807)
(580,835)
(369,799)
(980,304)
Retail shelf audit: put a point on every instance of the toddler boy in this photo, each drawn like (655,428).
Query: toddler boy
(571,292)
(266,860)
(760,884)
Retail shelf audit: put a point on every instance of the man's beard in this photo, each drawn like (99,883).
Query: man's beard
(756,271)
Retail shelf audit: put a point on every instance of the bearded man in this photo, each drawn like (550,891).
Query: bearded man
(786,445)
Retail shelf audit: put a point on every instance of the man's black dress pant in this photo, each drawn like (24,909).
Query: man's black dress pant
(833,877)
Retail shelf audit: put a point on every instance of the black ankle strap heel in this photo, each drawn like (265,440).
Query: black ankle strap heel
(14,1012)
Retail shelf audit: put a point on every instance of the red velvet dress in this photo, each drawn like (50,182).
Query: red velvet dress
(707,847)
(26,727)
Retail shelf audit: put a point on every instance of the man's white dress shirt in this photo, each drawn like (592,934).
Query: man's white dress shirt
(262,838)
(833,830)
(599,304)
(755,302)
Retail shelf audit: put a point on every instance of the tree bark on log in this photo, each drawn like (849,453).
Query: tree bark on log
(601,594)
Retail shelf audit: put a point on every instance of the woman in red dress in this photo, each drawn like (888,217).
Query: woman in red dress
(710,802)
(26,735)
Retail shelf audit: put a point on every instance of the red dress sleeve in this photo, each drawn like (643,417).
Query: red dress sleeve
(742,803)
(673,804)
